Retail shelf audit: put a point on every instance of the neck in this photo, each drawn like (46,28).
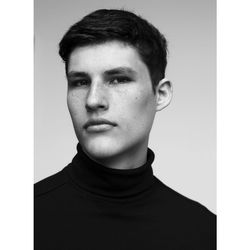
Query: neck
(105,181)
(130,159)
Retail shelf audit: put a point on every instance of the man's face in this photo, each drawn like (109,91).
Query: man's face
(110,99)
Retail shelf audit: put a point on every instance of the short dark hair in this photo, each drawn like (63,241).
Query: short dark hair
(106,25)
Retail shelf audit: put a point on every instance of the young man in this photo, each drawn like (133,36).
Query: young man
(108,197)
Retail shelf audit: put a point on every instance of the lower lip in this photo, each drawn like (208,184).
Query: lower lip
(99,128)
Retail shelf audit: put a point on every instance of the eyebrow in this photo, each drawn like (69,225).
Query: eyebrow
(72,74)
(110,72)
(120,70)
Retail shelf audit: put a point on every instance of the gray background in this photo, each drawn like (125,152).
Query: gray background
(184,134)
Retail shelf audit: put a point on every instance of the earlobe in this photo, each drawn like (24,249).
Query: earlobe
(164,92)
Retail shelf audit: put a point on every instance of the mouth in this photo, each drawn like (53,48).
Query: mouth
(98,125)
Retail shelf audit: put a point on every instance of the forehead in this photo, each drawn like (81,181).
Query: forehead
(105,56)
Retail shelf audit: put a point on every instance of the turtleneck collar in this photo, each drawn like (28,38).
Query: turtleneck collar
(108,182)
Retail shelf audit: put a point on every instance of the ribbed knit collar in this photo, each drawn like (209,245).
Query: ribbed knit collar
(108,182)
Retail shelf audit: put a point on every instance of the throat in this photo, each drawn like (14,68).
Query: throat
(126,160)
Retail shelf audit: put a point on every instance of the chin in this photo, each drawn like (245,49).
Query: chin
(100,148)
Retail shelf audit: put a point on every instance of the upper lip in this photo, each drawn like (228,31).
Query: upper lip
(92,122)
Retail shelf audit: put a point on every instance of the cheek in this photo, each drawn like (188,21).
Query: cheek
(144,103)
(75,104)
(140,111)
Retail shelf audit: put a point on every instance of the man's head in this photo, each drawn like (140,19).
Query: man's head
(110,77)
(108,25)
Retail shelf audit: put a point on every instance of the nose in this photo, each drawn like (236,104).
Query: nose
(96,98)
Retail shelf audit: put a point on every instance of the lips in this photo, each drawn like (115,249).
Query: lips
(98,125)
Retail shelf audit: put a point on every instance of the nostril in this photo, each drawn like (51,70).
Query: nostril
(93,107)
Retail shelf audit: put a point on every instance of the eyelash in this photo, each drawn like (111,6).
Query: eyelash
(79,83)
(112,81)
(120,79)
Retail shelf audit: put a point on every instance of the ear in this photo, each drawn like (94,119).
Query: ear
(164,93)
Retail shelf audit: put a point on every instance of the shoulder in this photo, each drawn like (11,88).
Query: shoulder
(176,198)
(50,183)
(187,217)
(185,209)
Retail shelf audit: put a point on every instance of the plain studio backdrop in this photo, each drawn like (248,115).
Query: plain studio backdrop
(183,136)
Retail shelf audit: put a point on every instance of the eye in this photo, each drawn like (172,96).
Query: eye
(79,83)
(120,80)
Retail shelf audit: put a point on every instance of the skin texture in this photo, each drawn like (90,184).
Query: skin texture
(110,81)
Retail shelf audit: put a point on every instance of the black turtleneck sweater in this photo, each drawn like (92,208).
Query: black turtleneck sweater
(91,207)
